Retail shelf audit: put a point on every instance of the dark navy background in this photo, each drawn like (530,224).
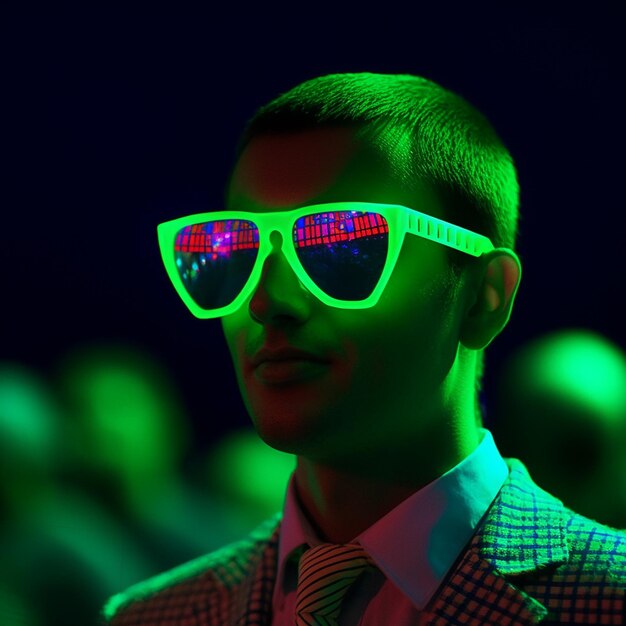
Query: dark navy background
(122,120)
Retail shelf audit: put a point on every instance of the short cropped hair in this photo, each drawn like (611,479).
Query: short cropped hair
(426,132)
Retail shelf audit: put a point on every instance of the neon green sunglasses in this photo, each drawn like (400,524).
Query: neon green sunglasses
(342,252)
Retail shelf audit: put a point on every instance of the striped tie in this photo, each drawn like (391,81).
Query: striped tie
(324,575)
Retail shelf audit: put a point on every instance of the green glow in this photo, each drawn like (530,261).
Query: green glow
(401,220)
(28,417)
(127,417)
(251,472)
(560,405)
(584,367)
(15,610)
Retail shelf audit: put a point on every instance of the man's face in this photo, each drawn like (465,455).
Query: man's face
(386,383)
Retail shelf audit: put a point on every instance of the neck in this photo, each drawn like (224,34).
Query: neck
(342,501)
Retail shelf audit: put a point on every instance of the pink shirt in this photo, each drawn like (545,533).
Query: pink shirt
(413,546)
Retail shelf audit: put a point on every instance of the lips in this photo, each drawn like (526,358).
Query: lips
(289,371)
(286,353)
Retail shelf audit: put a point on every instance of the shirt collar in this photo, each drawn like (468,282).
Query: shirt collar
(417,542)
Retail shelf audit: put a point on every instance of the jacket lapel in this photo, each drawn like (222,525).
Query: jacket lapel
(523,530)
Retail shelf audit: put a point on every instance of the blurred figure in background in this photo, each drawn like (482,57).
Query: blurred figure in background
(16,609)
(56,544)
(561,406)
(129,437)
(249,475)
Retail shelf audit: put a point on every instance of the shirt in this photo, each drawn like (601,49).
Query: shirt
(413,545)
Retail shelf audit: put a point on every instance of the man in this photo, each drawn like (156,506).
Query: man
(357,326)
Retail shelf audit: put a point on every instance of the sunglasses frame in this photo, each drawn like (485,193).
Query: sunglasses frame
(400,219)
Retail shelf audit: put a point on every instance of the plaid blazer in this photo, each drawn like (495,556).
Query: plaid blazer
(531,560)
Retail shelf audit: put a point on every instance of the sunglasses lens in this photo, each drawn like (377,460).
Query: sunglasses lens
(215,259)
(344,252)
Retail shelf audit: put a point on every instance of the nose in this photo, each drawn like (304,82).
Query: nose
(279,292)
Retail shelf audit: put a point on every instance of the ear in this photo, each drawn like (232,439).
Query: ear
(499,277)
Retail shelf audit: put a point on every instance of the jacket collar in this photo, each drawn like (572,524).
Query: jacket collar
(523,530)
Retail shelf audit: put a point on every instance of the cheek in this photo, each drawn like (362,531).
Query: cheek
(233,326)
(420,300)
(407,343)
(234,334)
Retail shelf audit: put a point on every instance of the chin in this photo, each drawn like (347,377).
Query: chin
(281,434)
(293,432)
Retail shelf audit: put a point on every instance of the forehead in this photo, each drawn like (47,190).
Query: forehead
(319,165)
(288,169)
